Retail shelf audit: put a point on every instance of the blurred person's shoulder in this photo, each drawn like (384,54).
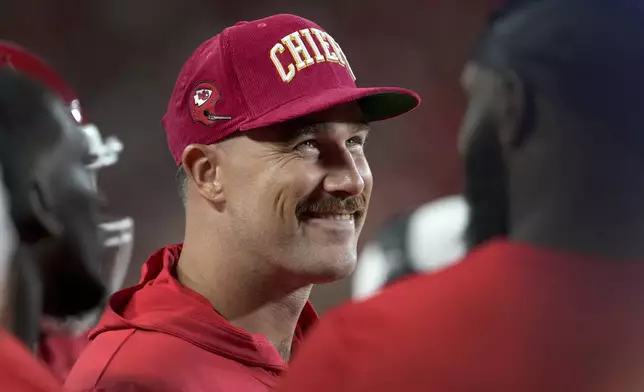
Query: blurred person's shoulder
(509,316)
(406,297)
(21,371)
(422,322)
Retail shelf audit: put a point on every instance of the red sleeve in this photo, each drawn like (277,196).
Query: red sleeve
(322,362)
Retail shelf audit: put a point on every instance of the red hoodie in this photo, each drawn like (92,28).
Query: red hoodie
(162,336)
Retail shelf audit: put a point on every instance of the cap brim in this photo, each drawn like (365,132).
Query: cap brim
(376,103)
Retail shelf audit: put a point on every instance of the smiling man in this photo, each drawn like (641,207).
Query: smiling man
(550,296)
(267,128)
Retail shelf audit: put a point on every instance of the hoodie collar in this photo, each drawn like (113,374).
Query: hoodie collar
(160,303)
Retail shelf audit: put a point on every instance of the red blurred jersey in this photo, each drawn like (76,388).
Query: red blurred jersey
(22,372)
(509,317)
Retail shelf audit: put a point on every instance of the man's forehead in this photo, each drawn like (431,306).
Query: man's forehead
(288,132)
(345,118)
(293,130)
(319,127)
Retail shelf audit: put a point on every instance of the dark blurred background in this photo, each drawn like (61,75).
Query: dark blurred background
(123,56)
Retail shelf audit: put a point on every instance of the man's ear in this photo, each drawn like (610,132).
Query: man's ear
(511,110)
(202,167)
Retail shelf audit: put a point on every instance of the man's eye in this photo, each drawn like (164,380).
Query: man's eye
(307,145)
(355,141)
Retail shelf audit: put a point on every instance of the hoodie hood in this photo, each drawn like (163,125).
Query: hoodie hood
(160,303)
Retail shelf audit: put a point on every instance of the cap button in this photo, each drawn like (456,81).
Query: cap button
(243,22)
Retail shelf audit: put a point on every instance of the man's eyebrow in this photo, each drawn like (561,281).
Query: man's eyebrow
(306,130)
(363,127)
(312,129)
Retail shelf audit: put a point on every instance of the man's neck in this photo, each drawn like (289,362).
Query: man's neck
(249,301)
(277,320)
(590,222)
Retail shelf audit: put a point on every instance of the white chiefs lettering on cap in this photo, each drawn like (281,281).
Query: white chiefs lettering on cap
(323,47)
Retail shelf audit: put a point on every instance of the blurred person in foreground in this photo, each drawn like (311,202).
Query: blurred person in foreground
(268,129)
(51,265)
(429,239)
(556,302)
(59,340)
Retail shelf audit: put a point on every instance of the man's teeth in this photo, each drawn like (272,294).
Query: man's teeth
(338,217)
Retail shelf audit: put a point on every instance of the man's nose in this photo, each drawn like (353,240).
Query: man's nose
(344,178)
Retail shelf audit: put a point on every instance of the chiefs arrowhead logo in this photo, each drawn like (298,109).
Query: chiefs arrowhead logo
(204,98)
(201,96)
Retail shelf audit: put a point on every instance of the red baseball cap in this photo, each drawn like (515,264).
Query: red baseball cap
(265,72)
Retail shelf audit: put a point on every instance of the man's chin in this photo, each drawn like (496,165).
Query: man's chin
(333,268)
